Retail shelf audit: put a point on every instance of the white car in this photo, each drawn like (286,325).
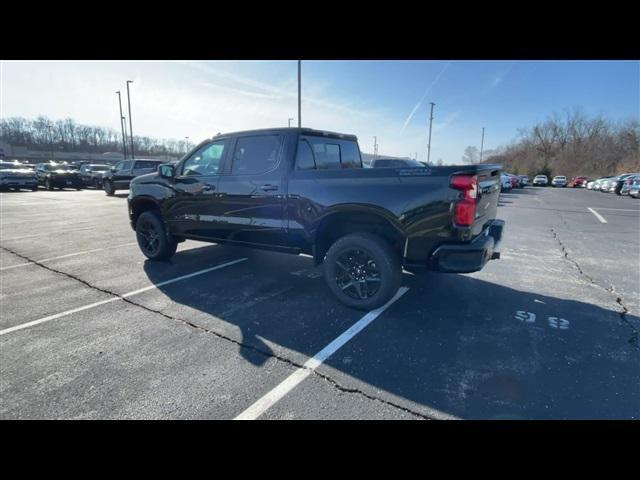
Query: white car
(505,182)
(541,180)
(559,181)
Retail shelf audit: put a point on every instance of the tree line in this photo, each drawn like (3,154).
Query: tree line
(68,136)
(569,144)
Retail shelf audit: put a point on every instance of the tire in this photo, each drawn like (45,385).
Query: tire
(34,189)
(47,184)
(363,255)
(108,188)
(153,240)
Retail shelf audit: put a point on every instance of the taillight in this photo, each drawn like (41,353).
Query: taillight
(465,208)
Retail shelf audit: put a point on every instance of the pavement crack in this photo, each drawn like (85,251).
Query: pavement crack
(268,354)
(634,338)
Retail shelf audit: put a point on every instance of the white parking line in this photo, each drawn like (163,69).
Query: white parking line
(114,299)
(598,216)
(621,209)
(267,401)
(68,255)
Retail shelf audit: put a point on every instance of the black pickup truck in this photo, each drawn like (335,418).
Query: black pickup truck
(299,190)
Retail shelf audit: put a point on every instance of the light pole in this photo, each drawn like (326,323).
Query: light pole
(481,145)
(124,122)
(430,124)
(290,122)
(375,148)
(49,126)
(124,142)
(299,93)
(133,155)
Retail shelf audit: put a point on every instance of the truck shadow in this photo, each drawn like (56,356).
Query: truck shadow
(455,343)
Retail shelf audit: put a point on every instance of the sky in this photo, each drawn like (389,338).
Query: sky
(385,99)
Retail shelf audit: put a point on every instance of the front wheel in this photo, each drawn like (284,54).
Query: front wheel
(362,270)
(152,237)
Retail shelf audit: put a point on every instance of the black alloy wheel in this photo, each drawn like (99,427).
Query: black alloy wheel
(357,274)
(362,270)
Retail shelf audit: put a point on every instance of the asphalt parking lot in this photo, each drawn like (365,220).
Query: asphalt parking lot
(89,329)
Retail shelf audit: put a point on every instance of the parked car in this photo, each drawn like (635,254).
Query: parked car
(396,163)
(578,182)
(615,184)
(596,184)
(607,185)
(56,175)
(92,174)
(515,181)
(524,180)
(626,184)
(16,176)
(559,181)
(505,182)
(540,181)
(299,190)
(634,189)
(119,177)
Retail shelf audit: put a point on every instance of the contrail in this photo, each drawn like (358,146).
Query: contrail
(415,109)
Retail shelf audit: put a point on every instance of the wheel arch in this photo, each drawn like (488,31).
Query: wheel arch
(142,204)
(353,218)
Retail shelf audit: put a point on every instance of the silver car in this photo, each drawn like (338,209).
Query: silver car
(559,181)
(540,180)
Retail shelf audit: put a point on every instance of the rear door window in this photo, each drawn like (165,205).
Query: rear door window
(256,154)
(331,153)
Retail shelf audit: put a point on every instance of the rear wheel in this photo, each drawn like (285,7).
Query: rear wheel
(362,270)
(152,237)
(109,188)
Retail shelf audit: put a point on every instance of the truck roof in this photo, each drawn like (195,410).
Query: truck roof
(304,131)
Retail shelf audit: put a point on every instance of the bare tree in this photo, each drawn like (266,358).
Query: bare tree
(471,155)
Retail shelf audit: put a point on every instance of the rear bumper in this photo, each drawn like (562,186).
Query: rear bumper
(469,257)
(69,182)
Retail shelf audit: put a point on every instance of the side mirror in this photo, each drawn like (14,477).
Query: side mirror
(113,169)
(167,171)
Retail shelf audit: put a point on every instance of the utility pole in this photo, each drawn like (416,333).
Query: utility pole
(124,142)
(430,124)
(133,155)
(375,147)
(481,144)
(299,93)
(290,122)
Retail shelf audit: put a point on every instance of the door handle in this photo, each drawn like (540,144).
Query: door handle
(268,188)
(208,187)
